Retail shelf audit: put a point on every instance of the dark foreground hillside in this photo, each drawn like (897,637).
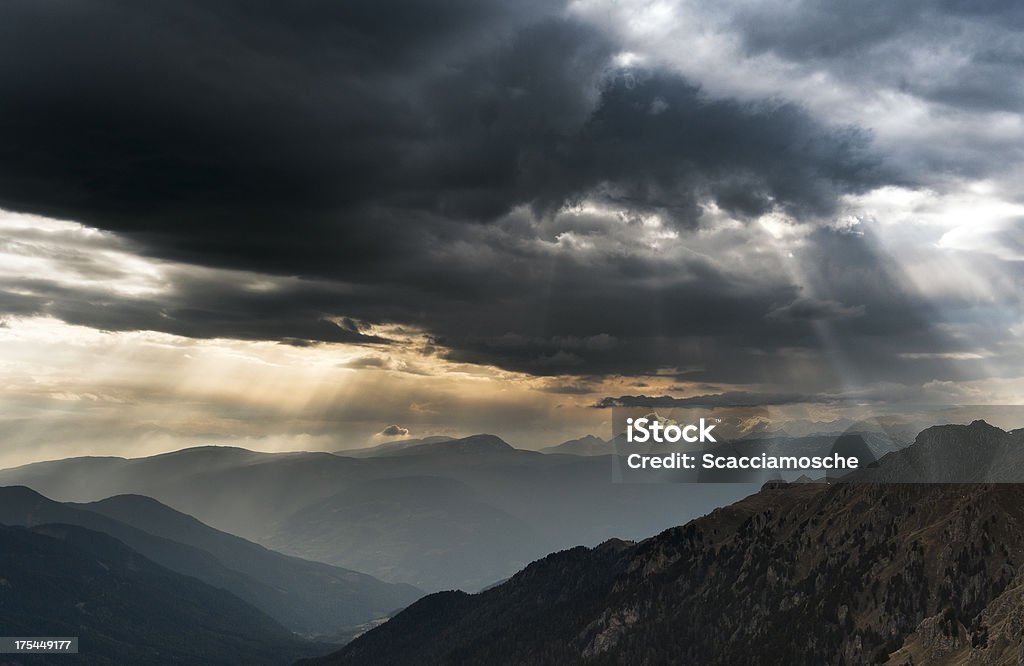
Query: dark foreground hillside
(852,573)
(62,580)
(308,598)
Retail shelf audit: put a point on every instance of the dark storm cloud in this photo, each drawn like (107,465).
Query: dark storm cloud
(659,143)
(295,315)
(244,135)
(382,152)
(700,322)
(293,139)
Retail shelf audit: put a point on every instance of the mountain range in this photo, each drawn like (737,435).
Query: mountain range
(437,513)
(856,572)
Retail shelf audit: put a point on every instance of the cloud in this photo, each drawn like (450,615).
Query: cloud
(499,182)
(367,362)
(568,388)
(973,69)
(377,362)
(394,431)
(816,309)
(726,399)
(878,393)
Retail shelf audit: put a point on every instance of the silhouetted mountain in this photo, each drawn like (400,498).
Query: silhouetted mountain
(584,446)
(521,504)
(847,573)
(386,447)
(307,597)
(63,580)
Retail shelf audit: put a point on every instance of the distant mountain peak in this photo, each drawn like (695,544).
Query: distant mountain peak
(615,544)
(474,444)
(206,448)
(588,445)
(135,497)
(483,441)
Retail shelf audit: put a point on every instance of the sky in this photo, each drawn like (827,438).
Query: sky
(317,225)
